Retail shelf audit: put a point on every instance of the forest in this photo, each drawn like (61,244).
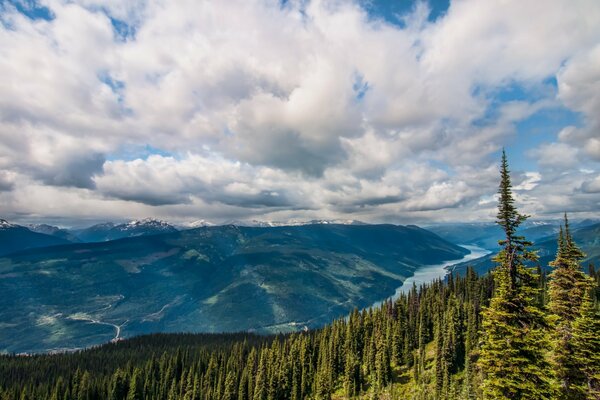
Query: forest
(516,333)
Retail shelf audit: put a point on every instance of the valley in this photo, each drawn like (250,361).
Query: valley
(209,279)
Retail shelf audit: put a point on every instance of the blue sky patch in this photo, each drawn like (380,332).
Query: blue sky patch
(511,92)
(123,31)
(392,11)
(115,85)
(541,127)
(130,153)
(360,86)
(30,8)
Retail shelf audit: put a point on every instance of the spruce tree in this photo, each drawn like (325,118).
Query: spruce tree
(118,386)
(512,357)
(586,343)
(567,288)
(136,386)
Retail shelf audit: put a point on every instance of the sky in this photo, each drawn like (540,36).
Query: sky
(379,111)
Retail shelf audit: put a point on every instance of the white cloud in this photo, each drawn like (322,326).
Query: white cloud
(530,181)
(556,155)
(312,109)
(579,88)
(591,185)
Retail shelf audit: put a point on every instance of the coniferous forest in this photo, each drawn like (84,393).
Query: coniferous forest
(516,333)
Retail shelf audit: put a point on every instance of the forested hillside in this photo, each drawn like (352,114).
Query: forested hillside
(424,345)
(425,337)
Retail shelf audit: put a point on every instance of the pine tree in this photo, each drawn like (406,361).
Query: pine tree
(512,357)
(230,387)
(586,343)
(260,389)
(567,289)
(118,385)
(84,391)
(136,386)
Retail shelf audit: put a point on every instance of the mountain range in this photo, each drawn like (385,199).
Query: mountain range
(65,289)
(110,231)
(210,279)
(487,234)
(15,238)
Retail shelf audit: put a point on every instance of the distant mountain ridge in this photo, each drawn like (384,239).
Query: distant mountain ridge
(487,234)
(109,231)
(587,237)
(53,231)
(15,238)
(223,278)
(292,222)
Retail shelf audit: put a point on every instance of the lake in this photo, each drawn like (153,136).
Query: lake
(428,273)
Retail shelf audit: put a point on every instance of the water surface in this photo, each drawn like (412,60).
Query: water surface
(428,273)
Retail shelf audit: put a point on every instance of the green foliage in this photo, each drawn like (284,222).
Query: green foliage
(362,355)
(586,345)
(567,289)
(512,357)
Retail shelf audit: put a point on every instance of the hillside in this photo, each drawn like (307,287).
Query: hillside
(16,238)
(371,353)
(422,346)
(54,231)
(208,279)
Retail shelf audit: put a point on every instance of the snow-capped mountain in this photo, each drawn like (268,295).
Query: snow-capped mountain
(16,238)
(293,222)
(4,224)
(335,221)
(146,224)
(109,231)
(53,231)
(200,223)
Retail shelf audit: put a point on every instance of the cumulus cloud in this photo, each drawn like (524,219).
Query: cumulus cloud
(303,109)
(579,88)
(556,155)
(591,185)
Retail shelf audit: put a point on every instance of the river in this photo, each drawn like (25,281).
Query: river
(428,273)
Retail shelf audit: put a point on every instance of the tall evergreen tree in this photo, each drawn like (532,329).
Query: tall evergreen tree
(586,343)
(512,357)
(567,288)
(136,386)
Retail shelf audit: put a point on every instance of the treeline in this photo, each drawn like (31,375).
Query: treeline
(513,334)
(370,351)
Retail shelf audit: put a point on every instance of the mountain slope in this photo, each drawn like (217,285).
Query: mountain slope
(207,279)
(53,231)
(16,238)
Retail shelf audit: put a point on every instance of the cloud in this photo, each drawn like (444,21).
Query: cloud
(556,155)
(529,182)
(311,109)
(591,186)
(7,182)
(579,88)
(162,180)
